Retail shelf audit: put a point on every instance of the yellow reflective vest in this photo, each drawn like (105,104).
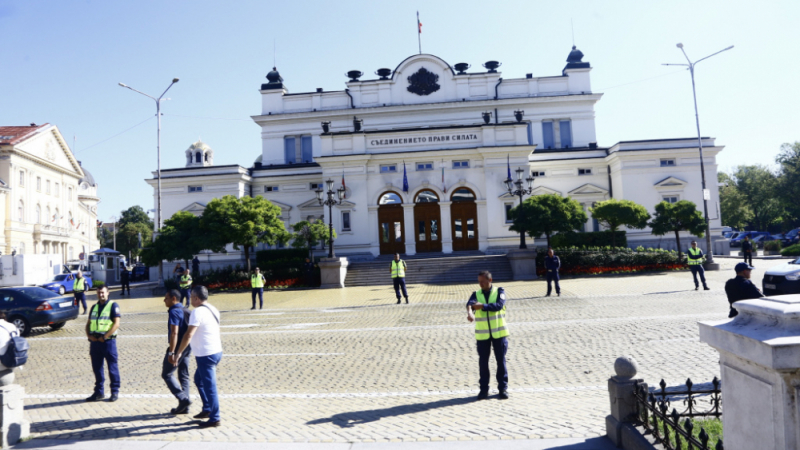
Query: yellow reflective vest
(79,285)
(398,269)
(100,321)
(491,323)
(695,256)
(186,281)
(257,281)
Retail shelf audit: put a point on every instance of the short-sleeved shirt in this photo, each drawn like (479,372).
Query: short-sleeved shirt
(114,310)
(177,317)
(206,339)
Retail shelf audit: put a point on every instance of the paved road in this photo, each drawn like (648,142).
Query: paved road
(351,366)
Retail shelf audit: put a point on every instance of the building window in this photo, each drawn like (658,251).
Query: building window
(47,190)
(539,173)
(389,168)
(55,189)
(557,134)
(345,220)
(21,211)
(195,188)
(270,188)
(39,184)
(69,193)
(667,162)
(205,157)
(315,186)
(47,218)
(508,207)
(57,218)
(297,149)
(671,198)
(198,157)
(425,166)
(460,164)
(548,140)
(566,133)
(22,178)
(584,171)
(38,214)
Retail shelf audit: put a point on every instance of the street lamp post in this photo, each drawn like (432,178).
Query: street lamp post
(158,169)
(333,198)
(520,191)
(706,195)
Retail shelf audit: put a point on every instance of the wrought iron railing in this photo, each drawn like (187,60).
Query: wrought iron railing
(653,413)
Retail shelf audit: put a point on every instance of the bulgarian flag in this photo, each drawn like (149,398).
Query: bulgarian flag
(419,24)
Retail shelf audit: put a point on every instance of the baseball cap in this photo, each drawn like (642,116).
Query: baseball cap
(743,266)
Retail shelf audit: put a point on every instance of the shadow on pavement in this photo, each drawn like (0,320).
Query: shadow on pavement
(54,404)
(109,427)
(352,418)
(599,443)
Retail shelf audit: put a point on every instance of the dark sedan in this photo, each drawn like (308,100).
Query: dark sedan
(30,307)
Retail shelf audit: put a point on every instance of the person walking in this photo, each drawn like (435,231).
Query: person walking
(695,258)
(125,279)
(177,324)
(101,330)
(487,308)
(186,285)
(552,263)
(79,288)
(399,277)
(740,287)
(204,337)
(747,250)
(257,282)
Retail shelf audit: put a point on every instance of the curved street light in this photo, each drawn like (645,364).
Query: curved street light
(331,198)
(516,188)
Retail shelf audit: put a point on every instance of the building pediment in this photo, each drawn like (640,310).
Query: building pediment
(313,204)
(588,189)
(49,147)
(195,208)
(671,183)
(540,190)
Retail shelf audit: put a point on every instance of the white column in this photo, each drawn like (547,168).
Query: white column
(483,225)
(445,227)
(374,231)
(408,220)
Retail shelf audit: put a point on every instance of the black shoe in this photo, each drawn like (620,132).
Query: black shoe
(113,398)
(548,295)
(210,424)
(483,395)
(183,407)
(696,288)
(503,395)
(398,301)
(83,313)
(406,300)
(95,398)
(202,415)
(252,308)
(559,294)
(706,288)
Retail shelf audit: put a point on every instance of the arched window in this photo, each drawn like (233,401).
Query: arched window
(47,218)
(390,198)
(198,157)
(57,218)
(206,157)
(427,196)
(21,211)
(463,195)
(38,214)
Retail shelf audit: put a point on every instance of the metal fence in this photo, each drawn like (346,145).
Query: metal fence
(653,413)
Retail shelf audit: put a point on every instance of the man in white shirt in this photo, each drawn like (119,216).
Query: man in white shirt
(5,336)
(204,337)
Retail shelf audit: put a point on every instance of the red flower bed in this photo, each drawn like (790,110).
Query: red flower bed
(241,285)
(541,271)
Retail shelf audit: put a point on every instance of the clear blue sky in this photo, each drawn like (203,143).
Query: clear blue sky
(62,61)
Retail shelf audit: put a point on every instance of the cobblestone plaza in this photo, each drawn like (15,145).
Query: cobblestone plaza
(350,365)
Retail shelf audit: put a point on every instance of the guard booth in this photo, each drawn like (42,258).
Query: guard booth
(104,264)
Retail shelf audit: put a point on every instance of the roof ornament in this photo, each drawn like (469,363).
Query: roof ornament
(423,82)
(575,56)
(275,80)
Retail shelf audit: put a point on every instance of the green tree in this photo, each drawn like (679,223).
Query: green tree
(308,235)
(244,222)
(677,217)
(733,206)
(789,179)
(615,213)
(128,237)
(760,188)
(134,214)
(547,214)
(181,238)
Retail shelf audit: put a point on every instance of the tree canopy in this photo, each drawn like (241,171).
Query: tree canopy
(789,180)
(677,217)
(614,213)
(181,238)
(547,214)
(308,235)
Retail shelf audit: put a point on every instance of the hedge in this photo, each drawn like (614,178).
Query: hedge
(595,260)
(792,250)
(97,284)
(590,239)
(772,245)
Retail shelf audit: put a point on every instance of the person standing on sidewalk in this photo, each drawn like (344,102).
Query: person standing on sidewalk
(125,280)
(101,330)
(308,272)
(186,285)
(177,324)
(204,336)
(399,277)
(695,259)
(257,282)
(487,308)
(747,250)
(552,264)
(79,288)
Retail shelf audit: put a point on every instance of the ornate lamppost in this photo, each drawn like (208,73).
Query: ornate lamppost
(333,198)
(520,191)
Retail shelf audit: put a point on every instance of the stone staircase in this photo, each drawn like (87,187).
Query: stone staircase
(430,268)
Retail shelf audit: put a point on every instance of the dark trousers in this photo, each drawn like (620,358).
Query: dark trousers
(697,269)
(124,285)
(552,276)
(80,298)
(205,377)
(187,293)
(180,391)
(484,350)
(100,352)
(260,293)
(400,283)
(748,257)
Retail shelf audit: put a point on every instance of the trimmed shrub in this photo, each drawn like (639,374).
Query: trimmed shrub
(596,260)
(97,284)
(264,257)
(792,250)
(590,239)
(772,246)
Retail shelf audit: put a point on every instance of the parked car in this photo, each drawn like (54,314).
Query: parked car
(31,307)
(140,273)
(790,238)
(783,279)
(64,282)
(758,241)
(737,240)
(727,231)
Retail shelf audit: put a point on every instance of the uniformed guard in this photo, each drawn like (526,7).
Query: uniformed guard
(491,332)
(257,282)
(101,330)
(399,277)
(747,250)
(695,260)
(186,286)
(79,288)
(552,264)
(741,288)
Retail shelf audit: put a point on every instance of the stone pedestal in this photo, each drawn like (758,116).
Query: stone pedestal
(523,264)
(622,397)
(760,369)
(332,272)
(13,426)
(707,266)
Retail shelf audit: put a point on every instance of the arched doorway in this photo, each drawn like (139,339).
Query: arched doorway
(390,224)
(464,217)
(427,222)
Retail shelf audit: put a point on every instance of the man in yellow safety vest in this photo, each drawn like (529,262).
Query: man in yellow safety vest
(186,286)
(487,308)
(399,277)
(695,258)
(257,282)
(79,288)
(101,330)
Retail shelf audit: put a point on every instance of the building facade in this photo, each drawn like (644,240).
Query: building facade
(424,151)
(48,201)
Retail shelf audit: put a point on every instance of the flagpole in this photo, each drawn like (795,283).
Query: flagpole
(419,34)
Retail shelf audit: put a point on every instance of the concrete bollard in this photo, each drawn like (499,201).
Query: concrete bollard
(13,426)
(622,396)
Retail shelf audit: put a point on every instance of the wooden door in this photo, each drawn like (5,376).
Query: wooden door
(391,229)
(464,217)
(427,224)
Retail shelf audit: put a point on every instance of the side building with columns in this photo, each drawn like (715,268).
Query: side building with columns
(424,151)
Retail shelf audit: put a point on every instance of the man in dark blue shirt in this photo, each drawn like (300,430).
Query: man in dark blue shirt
(552,264)
(741,288)
(177,325)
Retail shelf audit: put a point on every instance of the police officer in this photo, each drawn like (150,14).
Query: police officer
(186,286)
(695,260)
(257,282)
(79,288)
(399,277)
(741,288)
(196,265)
(552,264)
(125,279)
(101,330)
(747,250)
(487,308)
(308,271)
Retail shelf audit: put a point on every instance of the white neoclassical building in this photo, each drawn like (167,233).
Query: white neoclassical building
(48,201)
(453,134)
